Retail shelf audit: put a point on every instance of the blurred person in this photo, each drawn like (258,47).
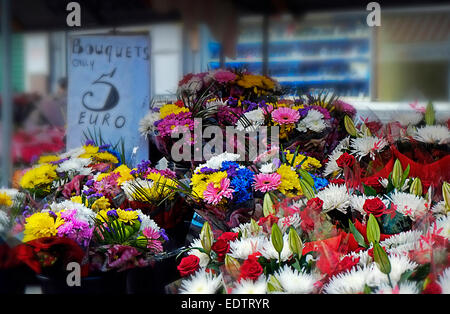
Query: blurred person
(51,110)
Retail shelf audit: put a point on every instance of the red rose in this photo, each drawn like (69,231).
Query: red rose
(188,265)
(251,269)
(315,204)
(346,160)
(221,247)
(228,236)
(374,206)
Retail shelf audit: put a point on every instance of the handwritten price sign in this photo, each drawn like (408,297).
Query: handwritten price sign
(109,90)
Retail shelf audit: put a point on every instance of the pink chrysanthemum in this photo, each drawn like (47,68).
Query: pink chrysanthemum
(285,115)
(154,244)
(213,195)
(265,182)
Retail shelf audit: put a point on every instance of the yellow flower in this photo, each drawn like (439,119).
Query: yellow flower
(124,172)
(101,176)
(5,199)
(77,199)
(250,80)
(105,157)
(102,215)
(40,225)
(290,182)
(101,203)
(167,109)
(307,163)
(127,216)
(89,151)
(48,158)
(162,186)
(37,176)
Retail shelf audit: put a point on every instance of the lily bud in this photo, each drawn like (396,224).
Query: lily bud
(254,227)
(350,126)
(446,195)
(277,238)
(232,266)
(268,205)
(206,237)
(273,285)
(295,243)
(429,114)
(397,174)
(416,187)
(307,189)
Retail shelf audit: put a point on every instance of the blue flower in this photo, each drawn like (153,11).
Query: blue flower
(319,183)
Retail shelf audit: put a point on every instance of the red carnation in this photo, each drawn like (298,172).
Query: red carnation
(346,160)
(374,206)
(315,204)
(221,247)
(188,265)
(251,269)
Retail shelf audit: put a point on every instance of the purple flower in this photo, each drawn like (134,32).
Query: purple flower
(112,213)
(163,234)
(89,142)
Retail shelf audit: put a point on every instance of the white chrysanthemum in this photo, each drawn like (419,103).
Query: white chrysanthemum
(256,119)
(268,167)
(4,221)
(215,162)
(334,197)
(147,123)
(243,247)
(369,145)
(192,86)
(439,208)
(432,134)
(407,287)
(251,287)
(295,282)
(444,281)
(146,221)
(402,243)
(82,212)
(75,166)
(289,221)
(331,166)
(442,223)
(201,282)
(204,258)
(268,251)
(349,282)
(407,118)
(408,204)
(399,264)
(313,121)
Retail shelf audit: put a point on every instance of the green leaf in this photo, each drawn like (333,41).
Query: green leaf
(381,259)
(358,236)
(405,175)
(369,191)
(306,176)
(373,230)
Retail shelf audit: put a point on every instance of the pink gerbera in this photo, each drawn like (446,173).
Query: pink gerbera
(285,115)
(265,182)
(213,195)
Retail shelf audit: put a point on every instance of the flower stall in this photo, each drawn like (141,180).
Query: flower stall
(334,202)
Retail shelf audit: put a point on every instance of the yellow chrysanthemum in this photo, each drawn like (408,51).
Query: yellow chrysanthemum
(40,225)
(101,176)
(105,157)
(124,172)
(162,186)
(290,182)
(307,163)
(102,215)
(101,203)
(77,199)
(41,175)
(48,158)
(167,109)
(200,181)
(127,216)
(250,80)
(89,151)
(5,199)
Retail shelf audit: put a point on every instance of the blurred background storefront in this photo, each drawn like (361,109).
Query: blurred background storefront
(308,46)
